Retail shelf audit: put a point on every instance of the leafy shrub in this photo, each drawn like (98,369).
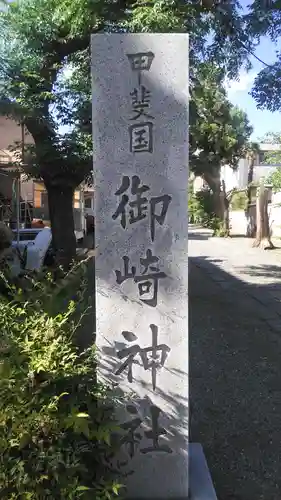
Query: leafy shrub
(201,208)
(219,228)
(55,418)
(47,292)
(275,180)
(239,200)
(6,237)
(201,211)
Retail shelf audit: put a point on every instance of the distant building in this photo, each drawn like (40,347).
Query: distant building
(89,200)
(33,192)
(239,178)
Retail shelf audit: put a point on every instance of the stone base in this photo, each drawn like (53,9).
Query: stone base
(200,481)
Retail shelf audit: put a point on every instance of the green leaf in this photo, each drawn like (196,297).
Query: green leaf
(116,487)
(43,478)
(24,440)
(83,488)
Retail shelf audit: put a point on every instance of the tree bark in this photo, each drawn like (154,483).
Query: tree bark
(215,185)
(225,210)
(262,239)
(221,203)
(251,171)
(250,222)
(251,226)
(60,200)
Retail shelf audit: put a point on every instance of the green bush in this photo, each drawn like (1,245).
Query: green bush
(201,208)
(218,228)
(55,418)
(239,201)
(48,293)
(275,180)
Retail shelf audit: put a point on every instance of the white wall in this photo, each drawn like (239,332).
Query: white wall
(230,177)
(27,189)
(238,221)
(243,168)
(263,171)
(198,184)
(237,178)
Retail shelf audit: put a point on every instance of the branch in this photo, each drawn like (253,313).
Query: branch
(229,194)
(11,109)
(62,49)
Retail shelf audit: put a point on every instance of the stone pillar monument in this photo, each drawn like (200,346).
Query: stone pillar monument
(140,141)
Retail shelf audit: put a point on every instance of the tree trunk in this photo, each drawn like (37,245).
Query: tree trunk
(221,204)
(262,239)
(215,185)
(251,171)
(60,200)
(225,210)
(250,221)
(219,207)
(251,226)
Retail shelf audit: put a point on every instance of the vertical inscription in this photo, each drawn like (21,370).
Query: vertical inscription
(134,206)
(141,131)
(140,267)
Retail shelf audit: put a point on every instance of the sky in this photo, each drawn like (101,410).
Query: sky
(263,121)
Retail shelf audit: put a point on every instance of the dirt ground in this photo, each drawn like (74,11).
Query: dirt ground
(235,365)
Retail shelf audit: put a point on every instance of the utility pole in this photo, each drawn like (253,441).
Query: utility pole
(18,185)
(18,206)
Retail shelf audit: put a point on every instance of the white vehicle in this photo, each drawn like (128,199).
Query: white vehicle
(33,250)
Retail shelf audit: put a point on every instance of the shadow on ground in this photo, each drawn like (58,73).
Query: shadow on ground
(268,271)
(200,236)
(235,373)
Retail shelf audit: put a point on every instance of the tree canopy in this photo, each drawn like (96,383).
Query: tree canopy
(43,37)
(219,131)
(45,76)
(275,180)
(273,157)
(264,19)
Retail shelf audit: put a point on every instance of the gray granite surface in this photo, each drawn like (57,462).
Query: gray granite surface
(140,136)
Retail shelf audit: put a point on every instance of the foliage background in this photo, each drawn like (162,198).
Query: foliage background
(56,419)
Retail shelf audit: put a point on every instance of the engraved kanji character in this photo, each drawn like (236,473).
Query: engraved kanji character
(141,137)
(138,209)
(149,279)
(155,432)
(141,61)
(156,360)
(140,102)
(132,438)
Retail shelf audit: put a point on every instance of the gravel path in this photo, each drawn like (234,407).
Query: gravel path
(235,364)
